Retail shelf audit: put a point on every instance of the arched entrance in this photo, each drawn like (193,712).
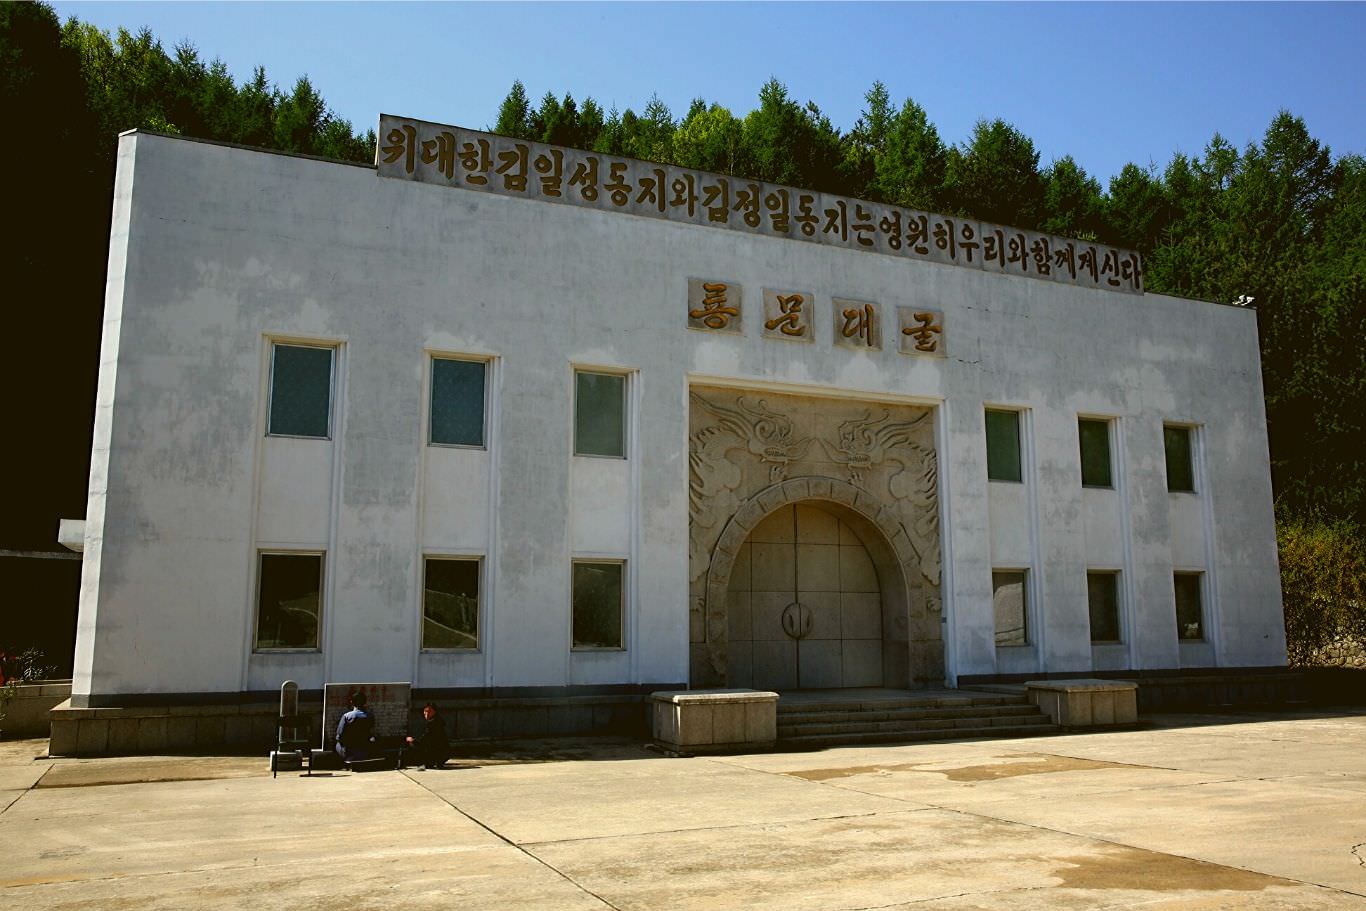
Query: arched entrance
(907,638)
(874,468)
(804,605)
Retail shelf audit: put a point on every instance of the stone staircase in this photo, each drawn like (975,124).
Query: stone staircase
(848,717)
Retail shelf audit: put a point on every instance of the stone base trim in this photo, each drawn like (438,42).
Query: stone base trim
(1086,703)
(249,727)
(714,721)
(1184,689)
(241,728)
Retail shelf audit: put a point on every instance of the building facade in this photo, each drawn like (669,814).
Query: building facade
(495,416)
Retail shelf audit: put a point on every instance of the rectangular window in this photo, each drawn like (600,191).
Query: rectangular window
(597,605)
(301,391)
(289,600)
(1180,470)
(450,603)
(1190,622)
(1010,601)
(1095,452)
(1003,445)
(599,414)
(457,415)
(1102,592)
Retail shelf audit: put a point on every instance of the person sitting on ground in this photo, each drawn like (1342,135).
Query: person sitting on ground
(356,730)
(430,748)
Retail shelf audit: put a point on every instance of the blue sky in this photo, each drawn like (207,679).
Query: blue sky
(1106,83)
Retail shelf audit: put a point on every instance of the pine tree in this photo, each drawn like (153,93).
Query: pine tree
(514,114)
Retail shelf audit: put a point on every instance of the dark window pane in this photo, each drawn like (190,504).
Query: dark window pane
(597,605)
(1095,453)
(1102,591)
(457,402)
(1008,599)
(289,601)
(450,604)
(1003,445)
(301,391)
(599,414)
(1189,617)
(1180,476)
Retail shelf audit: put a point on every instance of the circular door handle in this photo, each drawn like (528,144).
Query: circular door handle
(797,620)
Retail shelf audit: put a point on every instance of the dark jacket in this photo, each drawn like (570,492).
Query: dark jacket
(430,746)
(355,732)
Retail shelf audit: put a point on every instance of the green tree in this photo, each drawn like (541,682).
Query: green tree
(995,176)
(612,137)
(300,118)
(591,123)
(911,167)
(1135,209)
(546,118)
(1073,205)
(769,134)
(649,136)
(710,139)
(786,143)
(514,114)
(866,143)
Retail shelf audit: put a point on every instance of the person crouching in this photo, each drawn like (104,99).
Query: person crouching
(356,730)
(430,748)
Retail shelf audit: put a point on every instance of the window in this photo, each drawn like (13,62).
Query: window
(1095,452)
(597,605)
(457,416)
(1009,600)
(300,391)
(1180,473)
(1102,592)
(599,414)
(450,603)
(1190,626)
(289,600)
(1003,445)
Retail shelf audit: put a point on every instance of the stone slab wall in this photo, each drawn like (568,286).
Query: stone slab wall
(26,715)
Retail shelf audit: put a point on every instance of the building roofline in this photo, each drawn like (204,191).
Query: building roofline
(138,131)
(373,167)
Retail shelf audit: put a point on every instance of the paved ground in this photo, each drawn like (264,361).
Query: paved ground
(1193,812)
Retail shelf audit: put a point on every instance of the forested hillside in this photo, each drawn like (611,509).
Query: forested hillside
(1282,221)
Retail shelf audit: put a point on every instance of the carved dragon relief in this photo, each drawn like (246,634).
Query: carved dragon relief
(712,482)
(864,443)
(713,478)
(766,434)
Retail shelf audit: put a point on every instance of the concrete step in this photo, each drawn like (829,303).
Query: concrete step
(909,702)
(905,714)
(860,726)
(965,733)
(1015,689)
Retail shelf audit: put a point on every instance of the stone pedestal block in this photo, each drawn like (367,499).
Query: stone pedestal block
(714,721)
(1086,703)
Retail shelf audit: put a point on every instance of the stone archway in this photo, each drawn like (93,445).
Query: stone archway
(874,465)
(805,607)
(904,602)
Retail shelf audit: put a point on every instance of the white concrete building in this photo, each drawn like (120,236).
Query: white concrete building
(493,440)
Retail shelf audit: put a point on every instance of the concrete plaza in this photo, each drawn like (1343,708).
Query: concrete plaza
(1189,811)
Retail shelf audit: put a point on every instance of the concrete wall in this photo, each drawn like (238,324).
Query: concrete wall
(218,251)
